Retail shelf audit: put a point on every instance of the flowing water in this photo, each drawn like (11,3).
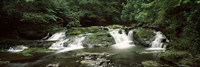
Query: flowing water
(70,52)
(17,49)
(160,42)
(122,40)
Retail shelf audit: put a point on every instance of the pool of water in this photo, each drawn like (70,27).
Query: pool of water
(88,57)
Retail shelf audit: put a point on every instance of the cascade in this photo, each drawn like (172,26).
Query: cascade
(121,39)
(58,44)
(130,35)
(60,40)
(57,36)
(75,43)
(160,42)
(17,49)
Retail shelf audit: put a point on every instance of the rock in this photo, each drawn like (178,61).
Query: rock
(143,36)
(88,62)
(95,59)
(4,62)
(99,39)
(115,26)
(150,64)
(53,65)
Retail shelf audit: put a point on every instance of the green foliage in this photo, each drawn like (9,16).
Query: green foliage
(67,12)
(39,17)
(177,18)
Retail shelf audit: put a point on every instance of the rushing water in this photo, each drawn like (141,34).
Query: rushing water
(70,52)
(160,42)
(57,36)
(17,49)
(75,44)
(60,38)
(122,40)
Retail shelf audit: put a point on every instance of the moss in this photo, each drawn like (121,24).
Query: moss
(182,58)
(148,5)
(150,64)
(31,51)
(143,36)
(115,26)
(191,61)
(99,39)
(83,30)
(173,55)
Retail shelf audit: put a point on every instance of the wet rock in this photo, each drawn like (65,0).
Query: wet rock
(95,59)
(53,65)
(99,39)
(4,62)
(150,64)
(143,36)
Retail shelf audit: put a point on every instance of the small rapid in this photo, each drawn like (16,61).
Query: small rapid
(17,48)
(75,44)
(121,39)
(160,42)
(60,39)
(57,36)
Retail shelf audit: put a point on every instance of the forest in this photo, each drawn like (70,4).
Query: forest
(68,32)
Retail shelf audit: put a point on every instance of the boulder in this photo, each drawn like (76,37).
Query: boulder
(143,36)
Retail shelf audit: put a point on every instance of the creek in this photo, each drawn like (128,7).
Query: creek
(70,52)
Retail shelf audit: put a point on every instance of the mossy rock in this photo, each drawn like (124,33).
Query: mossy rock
(116,26)
(143,36)
(31,51)
(83,30)
(172,55)
(99,39)
(182,58)
(150,64)
(191,61)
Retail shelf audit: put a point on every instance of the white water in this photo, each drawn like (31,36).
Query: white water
(58,44)
(157,44)
(61,39)
(130,35)
(57,36)
(121,39)
(76,44)
(17,49)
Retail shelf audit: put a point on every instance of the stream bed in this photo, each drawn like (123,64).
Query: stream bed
(70,52)
(89,57)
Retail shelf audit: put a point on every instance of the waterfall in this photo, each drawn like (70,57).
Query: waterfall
(57,36)
(76,44)
(121,39)
(160,42)
(17,49)
(130,35)
(58,44)
(60,38)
